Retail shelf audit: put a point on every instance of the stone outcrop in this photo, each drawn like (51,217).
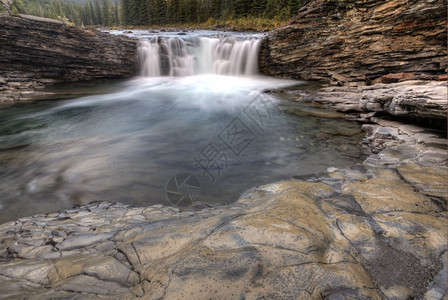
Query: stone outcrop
(372,231)
(37,52)
(413,99)
(357,42)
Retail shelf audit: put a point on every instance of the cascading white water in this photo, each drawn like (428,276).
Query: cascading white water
(163,56)
(148,55)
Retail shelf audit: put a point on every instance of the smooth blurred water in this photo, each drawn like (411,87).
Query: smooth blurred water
(126,139)
(123,146)
(192,55)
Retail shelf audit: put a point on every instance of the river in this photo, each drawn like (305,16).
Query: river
(193,128)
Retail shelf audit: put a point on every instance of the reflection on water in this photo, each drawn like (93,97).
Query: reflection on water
(124,145)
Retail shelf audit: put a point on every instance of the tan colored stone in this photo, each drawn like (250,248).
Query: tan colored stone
(420,234)
(380,195)
(429,180)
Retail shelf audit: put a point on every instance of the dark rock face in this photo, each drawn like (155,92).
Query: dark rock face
(354,42)
(37,52)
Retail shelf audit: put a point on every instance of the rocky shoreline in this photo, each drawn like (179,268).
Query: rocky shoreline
(376,230)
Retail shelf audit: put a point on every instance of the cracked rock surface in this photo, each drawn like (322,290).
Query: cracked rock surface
(372,231)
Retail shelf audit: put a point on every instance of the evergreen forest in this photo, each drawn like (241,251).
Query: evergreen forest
(144,13)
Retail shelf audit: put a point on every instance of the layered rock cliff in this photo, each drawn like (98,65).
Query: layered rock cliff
(37,52)
(357,42)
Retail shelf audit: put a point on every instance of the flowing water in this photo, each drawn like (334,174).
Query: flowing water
(198,109)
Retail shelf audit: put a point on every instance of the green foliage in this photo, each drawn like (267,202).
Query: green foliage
(79,12)
(238,14)
(168,12)
(272,9)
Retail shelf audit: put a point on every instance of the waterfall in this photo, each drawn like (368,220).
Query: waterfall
(148,55)
(173,56)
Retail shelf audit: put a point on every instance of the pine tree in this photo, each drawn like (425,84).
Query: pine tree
(272,9)
(258,8)
(98,14)
(106,13)
(125,12)
(116,15)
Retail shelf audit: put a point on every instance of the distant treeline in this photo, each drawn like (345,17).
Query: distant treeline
(160,12)
(155,12)
(93,12)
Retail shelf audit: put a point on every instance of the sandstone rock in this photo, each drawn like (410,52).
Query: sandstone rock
(86,284)
(395,77)
(443,77)
(380,196)
(430,181)
(359,41)
(109,269)
(83,240)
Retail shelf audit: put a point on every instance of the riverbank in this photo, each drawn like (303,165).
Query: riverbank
(369,231)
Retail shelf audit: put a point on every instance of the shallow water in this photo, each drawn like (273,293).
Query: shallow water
(124,146)
(126,140)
